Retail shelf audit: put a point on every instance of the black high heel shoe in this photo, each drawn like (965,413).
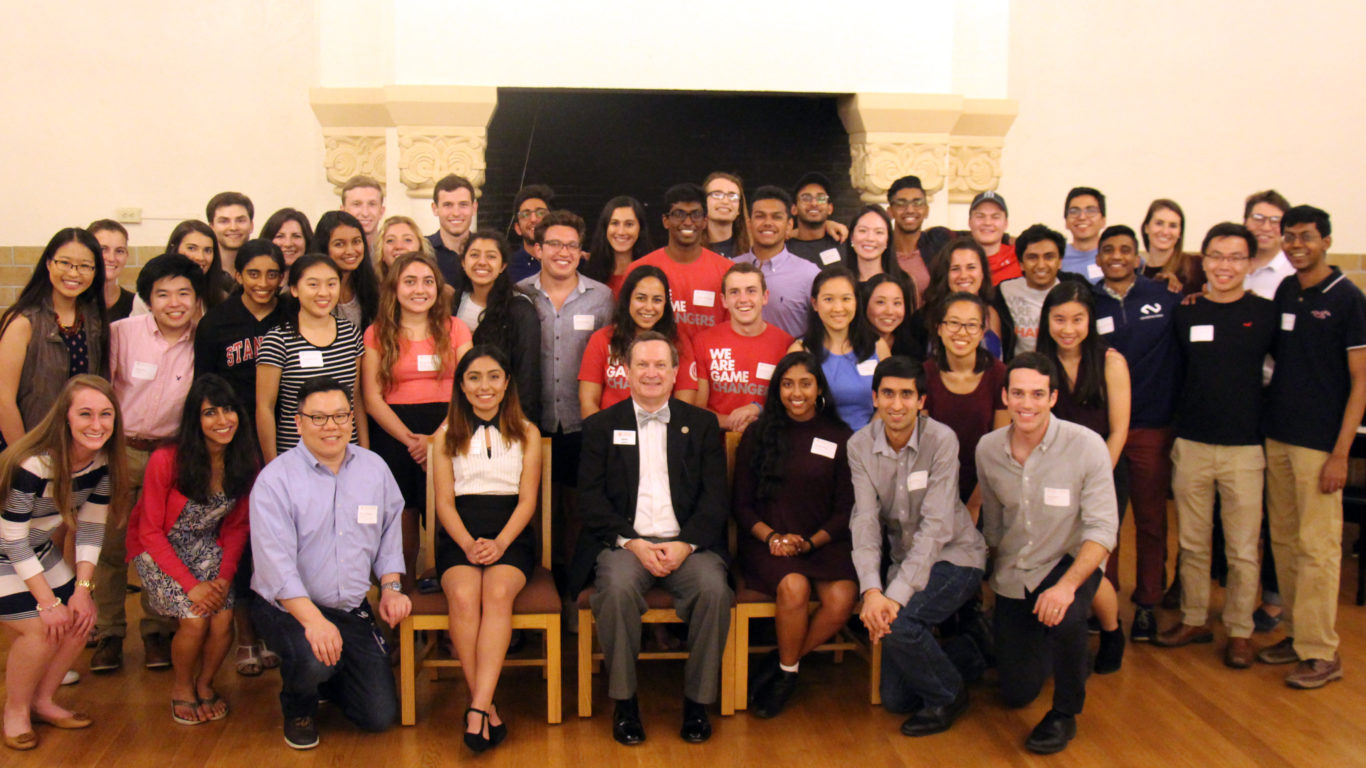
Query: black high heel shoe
(497,733)
(476,741)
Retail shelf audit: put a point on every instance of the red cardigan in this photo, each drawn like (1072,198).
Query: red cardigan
(158,509)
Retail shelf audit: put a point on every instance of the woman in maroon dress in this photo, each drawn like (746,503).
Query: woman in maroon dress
(792,499)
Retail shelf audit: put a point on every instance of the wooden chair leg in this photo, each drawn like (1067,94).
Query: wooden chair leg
(728,669)
(875,675)
(741,658)
(553,695)
(585,663)
(407,673)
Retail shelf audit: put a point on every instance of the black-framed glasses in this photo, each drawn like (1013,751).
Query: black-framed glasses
(321,419)
(555,246)
(679,216)
(84,270)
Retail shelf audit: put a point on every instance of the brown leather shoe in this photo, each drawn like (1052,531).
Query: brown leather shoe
(1280,653)
(1238,654)
(1184,634)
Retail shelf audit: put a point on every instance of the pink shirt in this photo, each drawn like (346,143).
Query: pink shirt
(150,376)
(418,376)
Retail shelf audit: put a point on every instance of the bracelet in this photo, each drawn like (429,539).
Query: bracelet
(57,603)
(87,583)
(769,538)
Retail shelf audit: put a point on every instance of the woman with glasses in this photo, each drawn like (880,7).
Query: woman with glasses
(727,230)
(619,238)
(55,329)
(309,342)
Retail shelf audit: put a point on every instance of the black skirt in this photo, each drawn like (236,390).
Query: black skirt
(422,419)
(484,517)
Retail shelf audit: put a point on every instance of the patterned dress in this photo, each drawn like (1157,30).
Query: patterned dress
(194,537)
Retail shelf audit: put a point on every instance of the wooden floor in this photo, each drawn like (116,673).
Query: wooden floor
(1165,708)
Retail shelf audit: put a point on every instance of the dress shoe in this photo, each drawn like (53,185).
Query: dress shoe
(497,733)
(1052,733)
(1315,673)
(73,722)
(626,725)
(1110,654)
(108,655)
(1280,653)
(696,726)
(156,651)
(776,695)
(1144,628)
(1238,653)
(1184,634)
(23,742)
(932,720)
(476,741)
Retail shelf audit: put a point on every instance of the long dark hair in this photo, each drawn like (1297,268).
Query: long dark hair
(217,282)
(290,320)
(39,286)
(624,326)
(278,219)
(941,355)
(602,260)
(460,415)
(1089,388)
(939,289)
(890,265)
(862,337)
(902,336)
(497,324)
(192,451)
(773,423)
(364,280)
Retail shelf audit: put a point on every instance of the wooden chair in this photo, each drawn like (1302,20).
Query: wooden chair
(537,607)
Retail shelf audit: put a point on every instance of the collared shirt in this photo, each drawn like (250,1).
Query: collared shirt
(1081,262)
(321,535)
(151,376)
(1264,280)
(1035,514)
(911,497)
(523,265)
(789,279)
(655,517)
(447,260)
(1140,325)
(564,336)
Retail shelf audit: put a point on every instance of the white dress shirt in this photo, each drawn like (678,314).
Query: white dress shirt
(655,516)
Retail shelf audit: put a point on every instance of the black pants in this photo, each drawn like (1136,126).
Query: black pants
(1027,651)
(361,683)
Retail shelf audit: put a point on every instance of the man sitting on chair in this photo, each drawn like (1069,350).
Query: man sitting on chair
(652,496)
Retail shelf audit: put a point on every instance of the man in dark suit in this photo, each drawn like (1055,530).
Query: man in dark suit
(652,496)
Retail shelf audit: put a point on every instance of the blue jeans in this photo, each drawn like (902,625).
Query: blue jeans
(361,682)
(915,670)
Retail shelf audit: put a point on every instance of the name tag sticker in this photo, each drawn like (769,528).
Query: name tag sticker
(1288,321)
(1202,333)
(867,367)
(1105,325)
(918,480)
(1057,497)
(623,437)
(830,256)
(704,298)
(1094,271)
(311,358)
(584,322)
(145,371)
(426,362)
(763,371)
(367,514)
(823,447)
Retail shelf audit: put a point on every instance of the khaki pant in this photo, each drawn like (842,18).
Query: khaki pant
(1235,471)
(111,572)
(1306,535)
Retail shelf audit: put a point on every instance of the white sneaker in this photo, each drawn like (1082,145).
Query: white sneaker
(72,677)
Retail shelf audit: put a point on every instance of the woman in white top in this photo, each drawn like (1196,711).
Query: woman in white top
(486,468)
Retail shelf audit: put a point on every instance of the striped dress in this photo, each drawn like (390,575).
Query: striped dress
(26,527)
(299,360)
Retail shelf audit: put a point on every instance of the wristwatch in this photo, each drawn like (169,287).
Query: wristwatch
(393,586)
(87,583)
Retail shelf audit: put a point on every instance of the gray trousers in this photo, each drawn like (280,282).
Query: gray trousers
(702,598)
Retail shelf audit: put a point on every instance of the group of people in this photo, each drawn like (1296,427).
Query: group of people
(921,410)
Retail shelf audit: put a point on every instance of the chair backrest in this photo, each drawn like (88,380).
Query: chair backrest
(732,445)
(540,522)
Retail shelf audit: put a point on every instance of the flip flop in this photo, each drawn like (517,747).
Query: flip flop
(192,705)
(212,702)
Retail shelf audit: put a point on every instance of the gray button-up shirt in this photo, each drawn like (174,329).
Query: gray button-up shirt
(1035,514)
(564,334)
(911,495)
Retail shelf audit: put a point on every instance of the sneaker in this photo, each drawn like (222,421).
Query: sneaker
(108,655)
(1315,673)
(1144,628)
(1110,655)
(156,651)
(301,732)
(1280,653)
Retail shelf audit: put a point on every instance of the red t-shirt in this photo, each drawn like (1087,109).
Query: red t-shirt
(611,374)
(737,368)
(1004,265)
(694,289)
(417,376)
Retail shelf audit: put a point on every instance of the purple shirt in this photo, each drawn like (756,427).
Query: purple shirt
(789,278)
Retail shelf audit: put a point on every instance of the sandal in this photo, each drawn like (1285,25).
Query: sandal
(269,659)
(213,702)
(248,662)
(193,706)
(476,741)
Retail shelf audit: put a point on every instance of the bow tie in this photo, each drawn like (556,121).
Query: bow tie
(661,416)
(490,423)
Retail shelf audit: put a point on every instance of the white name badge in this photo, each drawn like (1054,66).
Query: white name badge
(867,367)
(584,322)
(918,480)
(704,298)
(1057,497)
(823,447)
(426,362)
(1094,271)
(145,371)
(830,256)
(623,437)
(311,358)
(1288,321)
(367,514)
(1202,333)
(1105,325)
(763,371)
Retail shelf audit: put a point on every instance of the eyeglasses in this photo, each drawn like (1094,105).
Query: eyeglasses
(1088,212)
(679,216)
(1290,238)
(953,326)
(918,203)
(1222,259)
(810,198)
(555,246)
(733,197)
(321,419)
(84,270)
(532,213)
(1262,218)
